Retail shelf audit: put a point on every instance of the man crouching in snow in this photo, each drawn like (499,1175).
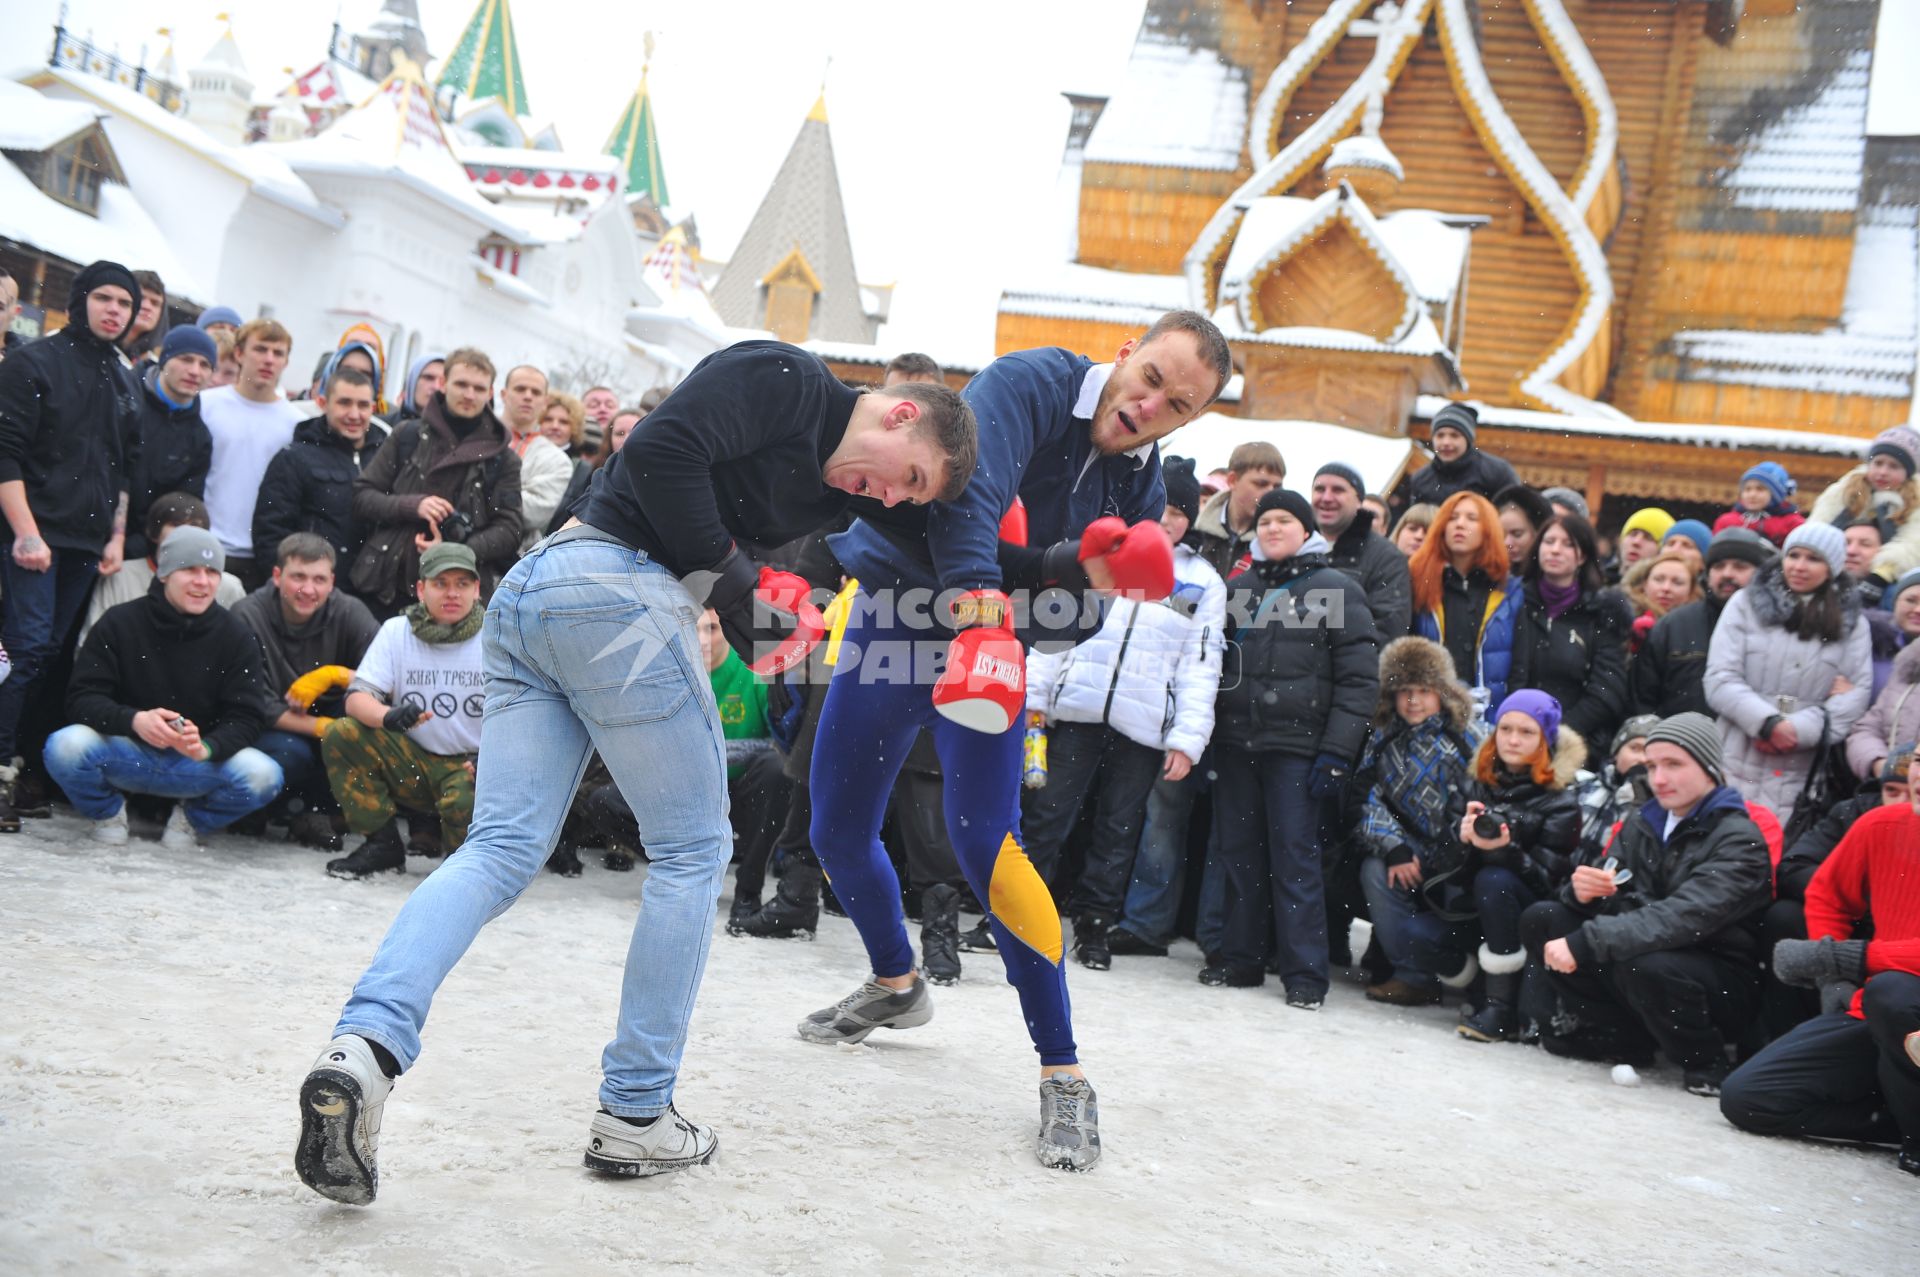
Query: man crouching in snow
(413,717)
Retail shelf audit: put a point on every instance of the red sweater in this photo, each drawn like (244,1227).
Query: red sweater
(1878,861)
(1774,527)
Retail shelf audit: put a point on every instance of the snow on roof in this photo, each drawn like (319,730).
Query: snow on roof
(536,224)
(1758,438)
(847,352)
(32,121)
(1068,290)
(265,172)
(1305,446)
(509,284)
(1431,251)
(1893,91)
(527,157)
(1810,157)
(1176,106)
(1361,151)
(122,232)
(1275,228)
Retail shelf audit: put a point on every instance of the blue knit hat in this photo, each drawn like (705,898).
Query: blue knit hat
(1775,476)
(220,315)
(1693,530)
(185,339)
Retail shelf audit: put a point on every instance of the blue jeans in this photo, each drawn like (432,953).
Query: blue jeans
(588,645)
(95,771)
(1152,910)
(40,609)
(1270,849)
(1421,946)
(299,759)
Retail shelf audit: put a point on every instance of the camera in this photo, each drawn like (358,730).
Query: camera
(1487,824)
(456,527)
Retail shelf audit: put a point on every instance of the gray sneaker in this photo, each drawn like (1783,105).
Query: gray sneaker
(1069,1124)
(671,1143)
(340,1106)
(872,1006)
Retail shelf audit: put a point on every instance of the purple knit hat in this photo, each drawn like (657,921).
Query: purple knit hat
(1538,706)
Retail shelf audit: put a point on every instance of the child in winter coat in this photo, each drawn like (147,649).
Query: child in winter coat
(1426,732)
(1519,820)
(1765,503)
(1885,488)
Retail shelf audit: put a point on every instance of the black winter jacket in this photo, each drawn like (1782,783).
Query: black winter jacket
(308,487)
(1477,471)
(69,427)
(1665,676)
(1579,658)
(176,451)
(1701,888)
(1381,570)
(1302,668)
(479,474)
(1543,820)
(144,654)
(1801,861)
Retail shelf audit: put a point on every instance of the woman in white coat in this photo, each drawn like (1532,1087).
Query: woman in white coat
(1790,648)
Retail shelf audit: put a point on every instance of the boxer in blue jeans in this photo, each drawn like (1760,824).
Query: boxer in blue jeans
(590,643)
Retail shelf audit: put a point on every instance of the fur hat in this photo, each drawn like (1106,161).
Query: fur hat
(1418,662)
(1902,443)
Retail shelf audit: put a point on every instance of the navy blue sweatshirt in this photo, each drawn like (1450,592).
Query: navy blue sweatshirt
(734,452)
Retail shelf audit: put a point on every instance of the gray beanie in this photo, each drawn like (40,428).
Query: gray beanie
(1697,734)
(1635,728)
(1568,498)
(1825,540)
(188,546)
(1739,543)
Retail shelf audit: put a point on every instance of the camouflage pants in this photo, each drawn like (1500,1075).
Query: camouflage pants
(374,771)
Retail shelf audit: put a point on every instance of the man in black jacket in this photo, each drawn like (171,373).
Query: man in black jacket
(1361,552)
(309,483)
(69,438)
(166,700)
(1662,950)
(1665,677)
(176,448)
(1457,461)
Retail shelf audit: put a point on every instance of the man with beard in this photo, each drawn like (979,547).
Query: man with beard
(1664,679)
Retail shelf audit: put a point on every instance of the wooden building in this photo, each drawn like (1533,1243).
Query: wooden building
(1652,239)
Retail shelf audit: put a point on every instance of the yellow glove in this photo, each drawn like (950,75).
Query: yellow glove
(311,686)
(321,724)
(838,613)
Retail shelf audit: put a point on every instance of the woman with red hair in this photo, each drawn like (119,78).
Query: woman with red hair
(1465,597)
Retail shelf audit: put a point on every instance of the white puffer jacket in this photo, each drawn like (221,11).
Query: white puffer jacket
(1151,672)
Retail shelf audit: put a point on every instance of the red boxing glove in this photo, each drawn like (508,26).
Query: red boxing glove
(1013,524)
(984,686)
(786,594)
(1139,558)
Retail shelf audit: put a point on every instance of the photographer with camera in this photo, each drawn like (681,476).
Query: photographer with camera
(1518,816)
(450,477)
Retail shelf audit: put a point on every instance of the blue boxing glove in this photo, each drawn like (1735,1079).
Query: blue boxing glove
(1329,777)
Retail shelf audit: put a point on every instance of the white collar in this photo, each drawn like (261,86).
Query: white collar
(1083,407)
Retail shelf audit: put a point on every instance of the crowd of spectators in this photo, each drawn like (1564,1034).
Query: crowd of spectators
(1630,797)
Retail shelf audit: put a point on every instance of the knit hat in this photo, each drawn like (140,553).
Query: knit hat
(99,275)
(1696,734)
(1775,476)
(1635,728)
(185,547)
(1183,486)
(1651,520)
(1341,470)
(1739,543)
(1538,706)
(1902,443)
(1533,505)
(1693,530)
(447,556)
(1292,502)
(1455,416)
(1901,586)
(1825,540)
(1570,499)
(219,315)
(185,339)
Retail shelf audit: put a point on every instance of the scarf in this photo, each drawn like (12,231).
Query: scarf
(428,630)
(1558,598)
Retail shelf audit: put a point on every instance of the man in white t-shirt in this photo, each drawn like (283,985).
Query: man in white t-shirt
(544,469)
(250,421)
(412,726)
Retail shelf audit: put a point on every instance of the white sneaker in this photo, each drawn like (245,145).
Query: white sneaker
(671,1143)
(340,1106)
(113,830)
(178,835)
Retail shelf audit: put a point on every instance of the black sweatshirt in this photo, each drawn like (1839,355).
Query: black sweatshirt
(144,654)
(70,428)
(734,452)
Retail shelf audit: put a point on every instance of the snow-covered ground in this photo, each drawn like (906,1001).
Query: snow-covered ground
(160,1011)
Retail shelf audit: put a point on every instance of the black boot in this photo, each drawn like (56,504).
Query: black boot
(940,934)
(1498,1019)
(33,793)
(744,907)
(423,836)
(382,852)
(9,781)
(794,911)
(1090,942)
(979,939)
(619,857)
(565,861)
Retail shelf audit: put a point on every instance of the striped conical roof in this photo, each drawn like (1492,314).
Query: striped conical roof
(636,143)
(486,61)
